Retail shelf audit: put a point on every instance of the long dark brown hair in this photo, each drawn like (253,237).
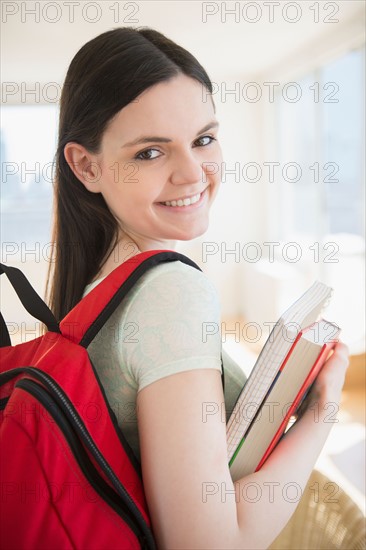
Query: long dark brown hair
(105,75)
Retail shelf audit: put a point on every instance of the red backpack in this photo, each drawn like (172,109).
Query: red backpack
(69,479)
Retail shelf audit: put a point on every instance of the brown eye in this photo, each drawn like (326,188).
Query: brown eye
(147,154)
(201,139)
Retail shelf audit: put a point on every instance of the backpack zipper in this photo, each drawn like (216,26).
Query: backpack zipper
(3,402)
(118,504)
(67,408)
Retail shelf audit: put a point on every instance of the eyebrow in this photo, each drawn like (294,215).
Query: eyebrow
(158,139)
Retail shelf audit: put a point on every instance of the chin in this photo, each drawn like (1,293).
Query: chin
(192,233)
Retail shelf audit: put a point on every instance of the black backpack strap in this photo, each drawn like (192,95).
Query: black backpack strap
(32,302)
(141,263)
(4,333)
(151,261)
(89,316)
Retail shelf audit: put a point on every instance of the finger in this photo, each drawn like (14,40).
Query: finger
(341,350)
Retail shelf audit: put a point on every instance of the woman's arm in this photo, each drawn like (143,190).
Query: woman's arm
(192,500)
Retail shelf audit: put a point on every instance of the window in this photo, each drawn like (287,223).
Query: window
(28,144)
(320,199)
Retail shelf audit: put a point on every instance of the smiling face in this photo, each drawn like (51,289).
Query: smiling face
(159,164)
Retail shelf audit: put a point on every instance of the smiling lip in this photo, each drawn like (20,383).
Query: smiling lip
(185,208)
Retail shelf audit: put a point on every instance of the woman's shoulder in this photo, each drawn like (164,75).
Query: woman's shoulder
(173,288)
(173,314)
(172,277)
(180,275)
(178,268)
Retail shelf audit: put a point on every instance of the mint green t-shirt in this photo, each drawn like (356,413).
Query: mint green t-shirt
(169,322)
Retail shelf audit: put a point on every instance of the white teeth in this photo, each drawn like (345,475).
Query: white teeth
(184,202)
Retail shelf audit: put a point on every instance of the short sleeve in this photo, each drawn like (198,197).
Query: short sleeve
(176,314)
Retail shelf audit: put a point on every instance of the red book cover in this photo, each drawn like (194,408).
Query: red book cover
(323,354)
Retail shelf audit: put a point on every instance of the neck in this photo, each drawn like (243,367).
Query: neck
(127,247)
(131,242)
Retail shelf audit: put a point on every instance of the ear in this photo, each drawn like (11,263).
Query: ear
(84,166)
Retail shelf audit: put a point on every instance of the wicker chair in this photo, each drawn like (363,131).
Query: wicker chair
(325,520)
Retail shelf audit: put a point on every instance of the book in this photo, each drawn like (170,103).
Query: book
(285,370)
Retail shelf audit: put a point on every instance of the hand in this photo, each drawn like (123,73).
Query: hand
(327,387)
(330,380)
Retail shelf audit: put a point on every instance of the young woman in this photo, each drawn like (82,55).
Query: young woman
(136,138)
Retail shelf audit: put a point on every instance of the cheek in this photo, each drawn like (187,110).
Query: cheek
(119,180)
(214,157)
(130,176)
(116,171)
(128,196)
(213,171)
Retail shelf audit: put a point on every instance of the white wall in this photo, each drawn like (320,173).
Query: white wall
(232,52)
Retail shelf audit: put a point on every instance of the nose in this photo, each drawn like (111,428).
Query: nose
(186,169)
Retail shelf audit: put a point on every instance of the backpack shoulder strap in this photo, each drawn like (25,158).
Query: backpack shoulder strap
(31,301)
(87,318)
